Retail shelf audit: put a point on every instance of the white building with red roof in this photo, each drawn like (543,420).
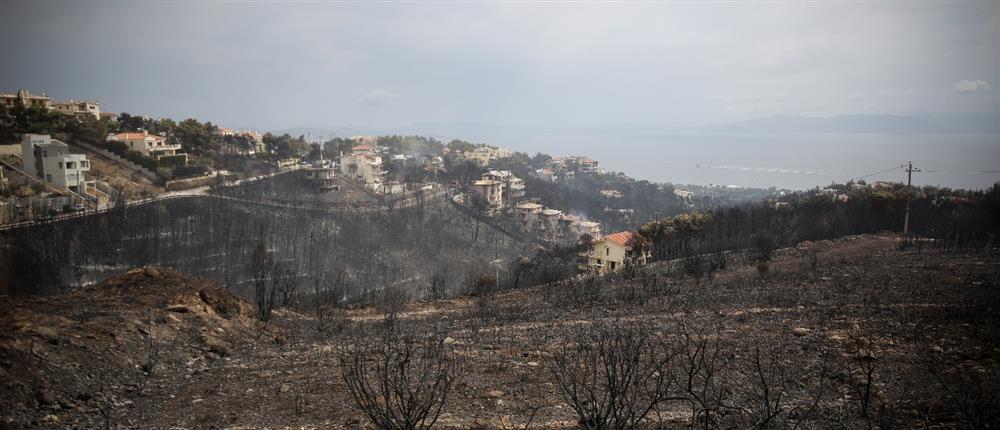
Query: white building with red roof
(610,253)
(148,144)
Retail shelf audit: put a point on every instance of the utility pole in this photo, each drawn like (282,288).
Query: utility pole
(909,184)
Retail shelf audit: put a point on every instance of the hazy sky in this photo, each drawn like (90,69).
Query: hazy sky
(275,65)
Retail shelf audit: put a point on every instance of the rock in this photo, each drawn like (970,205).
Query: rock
(48,333)
(183,309)
(867,354)
(801,331)
(937,348)
(50,419)
(449,341)
(219,301)
(151,272)
(45,397)
(493,394)
(532,363)
(285,388)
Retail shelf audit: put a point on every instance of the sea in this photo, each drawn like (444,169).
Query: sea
(794,161)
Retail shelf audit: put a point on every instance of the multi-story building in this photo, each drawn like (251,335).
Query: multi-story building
(50,160)
(483,155)
(9,100)
(513,186)
(491,190)
(258,141)
(610,253)
(73,107)
(321,176)
(148,144)
(363,164)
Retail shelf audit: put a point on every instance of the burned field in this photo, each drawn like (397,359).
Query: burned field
(862,335)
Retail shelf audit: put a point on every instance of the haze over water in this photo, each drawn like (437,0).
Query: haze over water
(783,160)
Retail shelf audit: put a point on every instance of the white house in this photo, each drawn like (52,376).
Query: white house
(148,144)
(362,164)
(73,107)
(50,160)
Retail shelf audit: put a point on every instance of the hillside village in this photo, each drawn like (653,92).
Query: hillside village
(64,159)
(499,215)
(245,253)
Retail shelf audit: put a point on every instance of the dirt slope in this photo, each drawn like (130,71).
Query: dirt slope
(67,358)
(927,320)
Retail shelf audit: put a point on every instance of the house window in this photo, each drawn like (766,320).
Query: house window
(60,164)
(48,178)
(45,153)
(612,265)
(607,251)
(70,165)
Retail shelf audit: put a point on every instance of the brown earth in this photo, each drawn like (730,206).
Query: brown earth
(926,320)
(133,184)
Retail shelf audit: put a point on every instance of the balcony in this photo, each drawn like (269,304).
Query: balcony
(165,148)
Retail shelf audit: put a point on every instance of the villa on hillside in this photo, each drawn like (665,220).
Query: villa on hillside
(147,144)
(50,160)
(70,107)
(321,176)
(363,164)
(9,100)
(483,155)
(610,253)
(490,190)
(78,108)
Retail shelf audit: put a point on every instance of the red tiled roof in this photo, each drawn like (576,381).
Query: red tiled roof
(622,238)
(361,148)
(130,136)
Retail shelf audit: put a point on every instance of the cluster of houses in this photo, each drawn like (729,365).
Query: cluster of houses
(482,155)
(363,164)
(69,107)
(255,138)
(566,167)
(553,224)
(608,253)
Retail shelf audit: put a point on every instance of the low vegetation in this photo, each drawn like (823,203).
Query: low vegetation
(870,336)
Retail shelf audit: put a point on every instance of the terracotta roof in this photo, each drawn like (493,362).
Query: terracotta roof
(622,238)
(131,136)
(361,148)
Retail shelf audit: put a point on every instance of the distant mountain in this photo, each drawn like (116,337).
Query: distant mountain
(896,124)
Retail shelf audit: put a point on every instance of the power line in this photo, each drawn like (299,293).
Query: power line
(880,172)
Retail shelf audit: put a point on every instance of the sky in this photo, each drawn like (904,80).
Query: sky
(279,65)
